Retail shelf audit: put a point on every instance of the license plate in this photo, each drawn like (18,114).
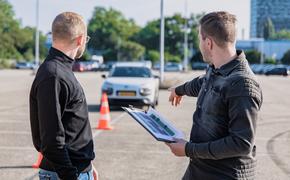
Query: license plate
(126,93)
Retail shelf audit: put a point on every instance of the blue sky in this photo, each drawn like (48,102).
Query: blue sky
(141,11)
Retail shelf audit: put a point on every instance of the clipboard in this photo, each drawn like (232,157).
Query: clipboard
(152,121)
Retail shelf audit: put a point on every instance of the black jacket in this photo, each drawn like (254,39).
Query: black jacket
(222,140)
(59,118)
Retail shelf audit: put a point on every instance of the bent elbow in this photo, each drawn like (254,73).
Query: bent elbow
(245,148)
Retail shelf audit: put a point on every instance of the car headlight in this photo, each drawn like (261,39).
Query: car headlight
(108,88)
(145,91)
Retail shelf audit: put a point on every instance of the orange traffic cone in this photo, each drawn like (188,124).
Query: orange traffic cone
(36,165)
(104,121)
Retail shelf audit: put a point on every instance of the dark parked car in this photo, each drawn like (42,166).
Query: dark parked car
(79,66)
(173,67)
(277,71)
(156,66)
(258,68)
(24,65)
(107,66)
(262,68)
(92,65)
(199,66)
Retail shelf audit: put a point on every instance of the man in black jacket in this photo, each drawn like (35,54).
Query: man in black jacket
(222,139)
(60,126)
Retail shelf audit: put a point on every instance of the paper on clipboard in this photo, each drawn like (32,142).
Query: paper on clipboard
(155,124)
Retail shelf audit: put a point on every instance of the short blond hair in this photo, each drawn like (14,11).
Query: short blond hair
(67,26)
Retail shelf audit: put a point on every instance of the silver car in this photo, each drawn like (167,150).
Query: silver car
(131,83)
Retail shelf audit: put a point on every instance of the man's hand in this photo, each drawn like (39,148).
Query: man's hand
(174,98)
(177,148)
(95,173)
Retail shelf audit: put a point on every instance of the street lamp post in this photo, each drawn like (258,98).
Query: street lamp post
(262,51)
(162,41)
(185,57)
(37,35)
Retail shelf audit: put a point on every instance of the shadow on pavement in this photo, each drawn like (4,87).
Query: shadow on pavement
(96,108)
(15,167)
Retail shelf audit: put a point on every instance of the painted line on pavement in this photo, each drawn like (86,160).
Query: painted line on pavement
(95,134)
(98,132)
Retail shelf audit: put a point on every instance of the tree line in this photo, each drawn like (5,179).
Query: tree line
(112,35)
(17,42)
(116,37)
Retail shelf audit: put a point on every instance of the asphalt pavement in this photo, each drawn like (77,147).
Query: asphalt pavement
(128,152)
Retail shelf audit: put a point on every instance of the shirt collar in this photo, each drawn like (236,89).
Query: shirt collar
(226,69)
(60,56)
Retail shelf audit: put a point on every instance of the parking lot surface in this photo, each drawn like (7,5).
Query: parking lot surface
(129,152)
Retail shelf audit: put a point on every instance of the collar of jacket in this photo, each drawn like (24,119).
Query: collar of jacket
(63,58)
(226,69)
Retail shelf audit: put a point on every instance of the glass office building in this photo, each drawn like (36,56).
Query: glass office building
(277,10)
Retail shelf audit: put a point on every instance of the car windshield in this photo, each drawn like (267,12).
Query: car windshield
(131,72)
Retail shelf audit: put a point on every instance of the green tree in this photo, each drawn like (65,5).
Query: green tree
(149,36)
(152,55)
(197,57)
(269,30)
(110,32)
(283,34)
(286,58)
(16,42)
(172,58)
(270,61)
(86,56)
(253,56)
(27,46)
(9,27)
(130,51)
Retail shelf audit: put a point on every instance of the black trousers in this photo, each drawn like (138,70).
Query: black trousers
(188,174)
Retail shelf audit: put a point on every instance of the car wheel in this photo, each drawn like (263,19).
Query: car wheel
(156,102)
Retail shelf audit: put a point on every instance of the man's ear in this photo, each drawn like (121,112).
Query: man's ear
(79,40)
(209,43)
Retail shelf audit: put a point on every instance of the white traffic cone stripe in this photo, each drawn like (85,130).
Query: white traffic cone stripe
(105,104)
(105,117)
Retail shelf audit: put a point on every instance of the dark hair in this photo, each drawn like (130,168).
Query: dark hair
(221,26)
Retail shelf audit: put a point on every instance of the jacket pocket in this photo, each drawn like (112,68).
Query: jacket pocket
(214,103)
(76,103)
